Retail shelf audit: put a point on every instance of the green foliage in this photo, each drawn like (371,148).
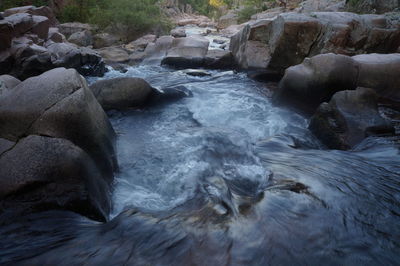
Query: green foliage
(252,7)
(5,4)
(129,18)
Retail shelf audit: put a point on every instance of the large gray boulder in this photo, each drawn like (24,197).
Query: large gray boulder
(37,11)
(59,104)
(348,118)
(140,44)
(40,173)
(8,82)
(155,52)
(287,39)
(187,52)
(114,54)
(318,78)
(121,93)
(23,23)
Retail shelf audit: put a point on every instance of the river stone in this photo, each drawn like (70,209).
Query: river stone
(41,173)
(140,44)
(348,118)
(59,104)
(121,93)
(70,28)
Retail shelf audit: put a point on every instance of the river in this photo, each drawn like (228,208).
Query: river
(223,177)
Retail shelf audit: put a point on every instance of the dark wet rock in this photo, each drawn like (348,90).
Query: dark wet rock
(284,41)
(348,118)
(121,93)
(6,34)
(178,33)
(41,173)
(81,38)
(318,78)
(194,72)
(101,40)
(169,95)
(59,104)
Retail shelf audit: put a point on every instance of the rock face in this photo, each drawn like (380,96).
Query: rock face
(121,93)
(284,41)
(317,79)
(348,118)
(76,157)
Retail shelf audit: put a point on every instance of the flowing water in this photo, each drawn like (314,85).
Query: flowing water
(225,178)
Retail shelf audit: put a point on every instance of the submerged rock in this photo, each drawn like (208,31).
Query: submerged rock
(348,118)
(121,93)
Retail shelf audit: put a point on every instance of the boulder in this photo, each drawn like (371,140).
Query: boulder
(81,38)
(380,72)
(104,40)
(121,93)
(155,52)
(16,10)
(318,78)
(178,33)
(7,82)
(169,95)
(219,59)
(59,104)
(37,11)
(40,26)
(21,23)
(67,29)
(280,42)
(136,58)
(348,118)
(40,173)
(187,52)
(6,34)
(140,44)
(114,54)
(55,35)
